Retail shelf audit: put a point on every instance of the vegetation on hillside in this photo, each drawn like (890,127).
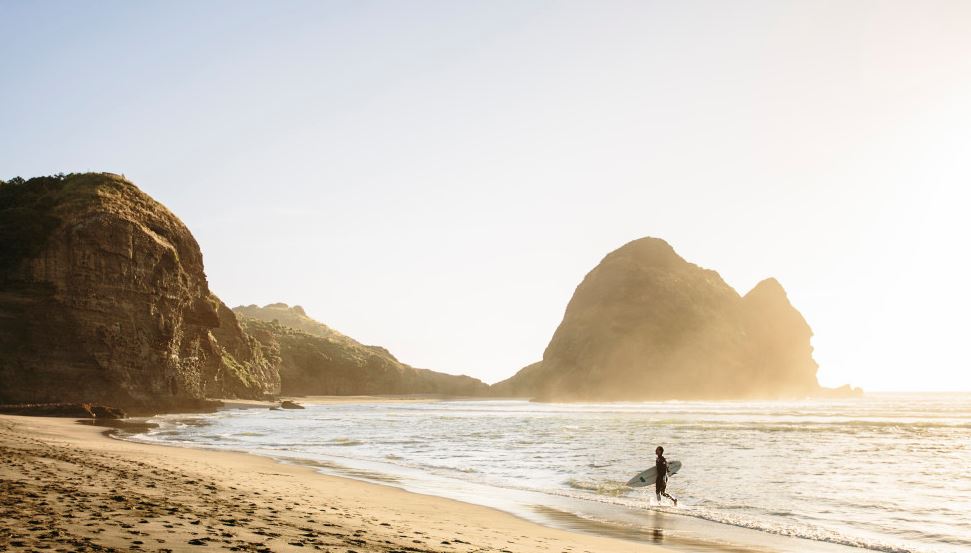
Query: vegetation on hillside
(26,218)
(317,360)
(28,211)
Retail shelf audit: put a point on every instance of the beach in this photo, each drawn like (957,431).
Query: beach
(65,486)
(424,474)
(750,480)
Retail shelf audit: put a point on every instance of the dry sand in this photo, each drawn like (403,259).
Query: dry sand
(68,487)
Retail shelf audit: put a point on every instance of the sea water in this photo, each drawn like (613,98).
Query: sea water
(885,472)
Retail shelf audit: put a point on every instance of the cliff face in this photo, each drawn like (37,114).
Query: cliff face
(317,360)
(646,324)
(780,355)
(103,298)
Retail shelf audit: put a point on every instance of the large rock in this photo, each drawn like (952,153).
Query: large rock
(103,299)
(646,324)
(780,356)
(318,360)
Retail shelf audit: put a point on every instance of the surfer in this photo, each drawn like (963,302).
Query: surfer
(661,483)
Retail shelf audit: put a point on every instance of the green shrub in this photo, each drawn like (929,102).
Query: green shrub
(26,218)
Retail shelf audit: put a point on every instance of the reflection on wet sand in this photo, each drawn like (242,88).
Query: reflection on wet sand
(652,531)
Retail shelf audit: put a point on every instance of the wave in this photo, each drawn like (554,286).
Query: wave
(345,442)
(841,427)
(600,487)
(434,468)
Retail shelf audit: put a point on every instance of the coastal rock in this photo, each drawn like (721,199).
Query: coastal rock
(318,360)
(779,355)
(646,324)
(287,404)
(103,298)
(843,391)
(70,410)
(107,412)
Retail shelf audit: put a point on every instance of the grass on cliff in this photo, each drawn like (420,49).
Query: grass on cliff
(26,218)
(28,211)
(232,366)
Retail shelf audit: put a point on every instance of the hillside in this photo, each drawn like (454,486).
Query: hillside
(318,360)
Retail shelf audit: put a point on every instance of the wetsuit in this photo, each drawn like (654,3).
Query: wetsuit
(661,483)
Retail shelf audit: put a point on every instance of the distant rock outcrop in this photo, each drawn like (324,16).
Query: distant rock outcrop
(318,360)
(103,299)
(646,324)
(293,317)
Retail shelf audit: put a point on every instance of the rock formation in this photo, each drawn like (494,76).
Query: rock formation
(318,360)
(646,324)
(103,299)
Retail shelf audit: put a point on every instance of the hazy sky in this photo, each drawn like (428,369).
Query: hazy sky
(437,177)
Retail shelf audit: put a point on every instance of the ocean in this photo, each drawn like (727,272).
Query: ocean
(885,472)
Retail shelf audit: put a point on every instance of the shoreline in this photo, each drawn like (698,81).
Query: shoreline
(70,485)
(673,531)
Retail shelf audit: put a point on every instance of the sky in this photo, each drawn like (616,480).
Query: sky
(437,177)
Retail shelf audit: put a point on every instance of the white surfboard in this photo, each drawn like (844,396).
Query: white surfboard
(649,476)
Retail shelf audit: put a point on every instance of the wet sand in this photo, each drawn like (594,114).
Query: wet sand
(69,487)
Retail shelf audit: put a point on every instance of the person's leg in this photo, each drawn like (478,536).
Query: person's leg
(667,495)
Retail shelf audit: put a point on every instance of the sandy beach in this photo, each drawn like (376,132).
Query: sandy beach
(70,487)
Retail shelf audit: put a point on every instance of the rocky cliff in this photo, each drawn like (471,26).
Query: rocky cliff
(646,324)
(103,299)
(318,360)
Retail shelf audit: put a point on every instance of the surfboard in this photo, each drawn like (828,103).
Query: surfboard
(649,476)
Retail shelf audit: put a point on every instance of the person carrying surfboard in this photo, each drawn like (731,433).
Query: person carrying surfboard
(661,483)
